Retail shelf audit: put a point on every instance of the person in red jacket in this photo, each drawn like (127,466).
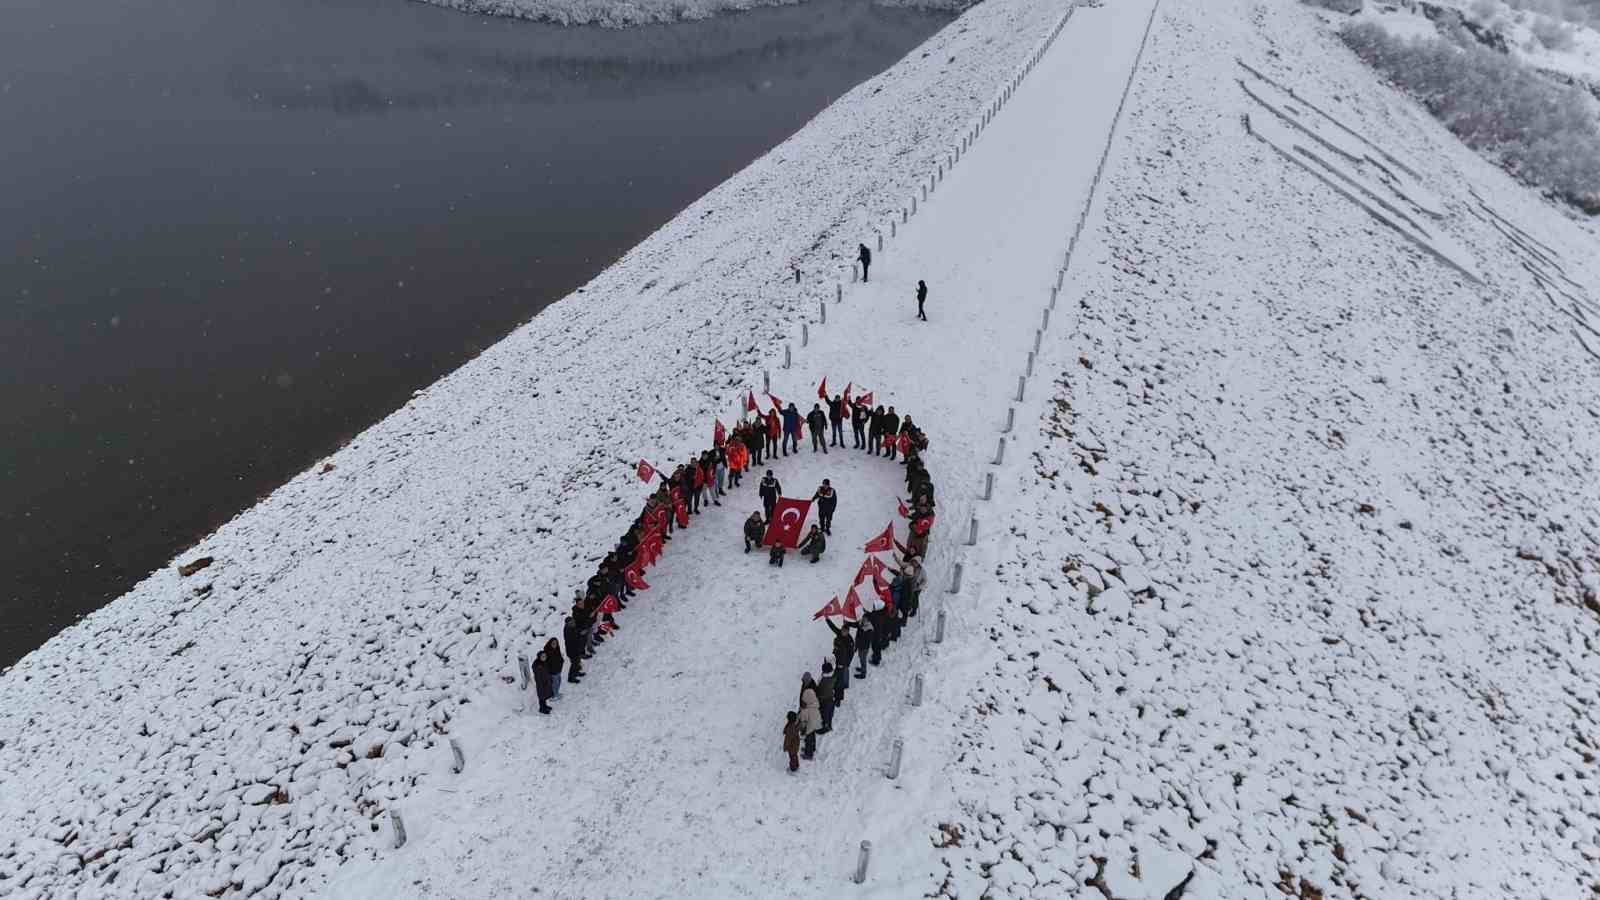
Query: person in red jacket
(774,431)
(696,477)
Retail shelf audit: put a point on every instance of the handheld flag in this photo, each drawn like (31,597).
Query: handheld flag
(776,403)
(871,567)
(852,605)
(609,604)
(788,520)
(866,398)
(905,511)
(635,579)
(646,471)
(719,435)
(847,387)
(905,442)
(750,402)
(922,525)
(822,390)
(832,609)
(883,542)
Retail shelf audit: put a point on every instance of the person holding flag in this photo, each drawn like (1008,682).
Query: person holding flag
(891,432)
(860,415)
(774,431)
(836,416)
(791,429)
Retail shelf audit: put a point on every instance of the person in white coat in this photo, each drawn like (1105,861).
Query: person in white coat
(810,716)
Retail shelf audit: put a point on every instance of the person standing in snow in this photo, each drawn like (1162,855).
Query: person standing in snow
(824,691)
(574,641)
(836,416)
(720,464)
(817,422)
(826,501)
(791,741)
(813,545)
(864,256)
(738,455)
(860,415)
(553,664)
(754,531)
(875,432)
(891,432)
(770,491)
(774,431)
(541,682)
(922,297)
(810,716)
(791,429)
(864,640)
(843,649)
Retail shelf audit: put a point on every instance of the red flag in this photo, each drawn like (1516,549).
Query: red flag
(871,567)
(635,579)
(776,403)
(922,525)
(822,393)
(905,510)
(683,514)
(788,518)
(866,398)
(847,387)
(750,402)
(832,609)
(719,435)
(882,542)
(905,442)
(852,605)
(646,471)
(882,589)
(609,604)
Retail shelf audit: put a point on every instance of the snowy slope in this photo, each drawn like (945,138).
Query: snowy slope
(372,601)
(1295,591)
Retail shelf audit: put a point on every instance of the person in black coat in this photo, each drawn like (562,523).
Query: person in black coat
(836,416)
(860,414)
(541,682)
(813,545)
(922,297)
(864,256)
(573,636)
(844,649)
(817,424)
(553,665)
(891,432)
(770,491)
(826,501)
(754,531)
(875,431)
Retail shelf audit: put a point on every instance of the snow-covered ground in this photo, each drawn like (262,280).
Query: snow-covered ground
(1577,57)
(625,13)
(1287,586)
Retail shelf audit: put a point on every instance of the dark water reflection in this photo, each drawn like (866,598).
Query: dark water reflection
(236,233)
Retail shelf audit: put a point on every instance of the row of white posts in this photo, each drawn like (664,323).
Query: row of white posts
(897,752)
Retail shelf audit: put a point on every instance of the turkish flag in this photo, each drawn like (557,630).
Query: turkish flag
(866,398)
(883,542)
(776,403)
(847,387)
(719,435)
(750,402)
(646,471)
(905,510)
(822,393)
(852,605)
(871,567)
(609,604)
(683,514)
(635,579)
(882,589)
(832,609)
(922,525)
(905,442)
(788,520)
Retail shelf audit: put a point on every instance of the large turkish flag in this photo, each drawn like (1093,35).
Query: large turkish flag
(788,522)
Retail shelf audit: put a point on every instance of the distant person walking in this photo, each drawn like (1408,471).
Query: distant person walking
(922,297)
(864,256)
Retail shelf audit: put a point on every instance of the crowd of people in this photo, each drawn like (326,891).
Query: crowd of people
(701,483)
(862,638)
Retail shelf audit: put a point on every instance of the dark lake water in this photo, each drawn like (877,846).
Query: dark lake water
(233,234)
